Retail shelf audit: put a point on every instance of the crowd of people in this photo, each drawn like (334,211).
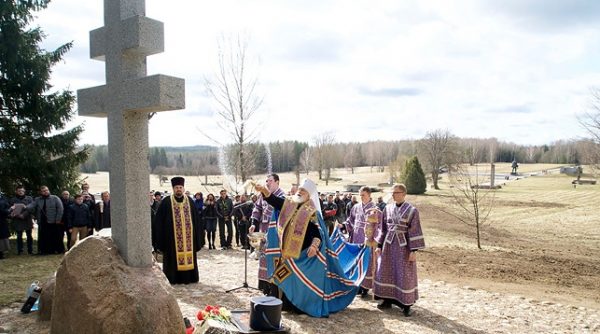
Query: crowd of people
(71,217)
(232,215)
(298,225)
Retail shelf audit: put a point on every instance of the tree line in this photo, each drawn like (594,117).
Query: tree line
(438,149)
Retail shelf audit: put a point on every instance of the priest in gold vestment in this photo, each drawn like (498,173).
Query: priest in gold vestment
(178,235)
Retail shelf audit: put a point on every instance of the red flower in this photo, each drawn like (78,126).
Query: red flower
(213,312)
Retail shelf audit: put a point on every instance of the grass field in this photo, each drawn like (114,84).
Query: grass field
(18,272)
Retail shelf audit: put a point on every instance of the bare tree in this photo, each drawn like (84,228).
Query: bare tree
(590,152)
(471,150)
(306,159)
(234,91)
(376,155)
(438,149)
(351,156)
(590,121)
(322,147)
(472,197)
(396,168)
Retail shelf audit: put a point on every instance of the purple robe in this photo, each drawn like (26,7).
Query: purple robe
(400,233)
(355,225)
(262,213)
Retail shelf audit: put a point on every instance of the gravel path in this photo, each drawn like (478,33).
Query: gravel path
(443,307)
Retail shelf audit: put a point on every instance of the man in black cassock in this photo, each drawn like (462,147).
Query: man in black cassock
(178,235)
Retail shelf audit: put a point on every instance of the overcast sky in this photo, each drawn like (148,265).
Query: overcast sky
(516,70)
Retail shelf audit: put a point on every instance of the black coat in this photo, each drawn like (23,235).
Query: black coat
(243,210)
(26,221)
(224,208)
(4,207)
(79,216)
(209,212)
(102,219)
(166,242)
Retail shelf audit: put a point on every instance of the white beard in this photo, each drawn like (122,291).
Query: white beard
(298,199)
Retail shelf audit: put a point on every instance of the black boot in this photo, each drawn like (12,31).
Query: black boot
(386,304)
(406,310)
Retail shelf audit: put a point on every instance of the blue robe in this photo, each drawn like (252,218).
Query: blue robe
(322,284)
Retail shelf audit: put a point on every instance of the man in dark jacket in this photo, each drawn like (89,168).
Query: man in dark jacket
(22,220)
(80,220)
(90,201)
(153,224)
(4,234)
(67,201)
(243,213)
(329,210)
(224,210)
(380,203)
(340,214)
(102,212)
(199,204)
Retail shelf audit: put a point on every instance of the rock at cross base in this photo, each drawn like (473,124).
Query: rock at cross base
(45,313)
(96,292)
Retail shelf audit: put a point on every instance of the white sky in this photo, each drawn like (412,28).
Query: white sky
(516,70)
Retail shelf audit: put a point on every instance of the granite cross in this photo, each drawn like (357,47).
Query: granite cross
(125,41)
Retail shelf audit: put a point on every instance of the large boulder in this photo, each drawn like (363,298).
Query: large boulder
(45,313)
(96,292)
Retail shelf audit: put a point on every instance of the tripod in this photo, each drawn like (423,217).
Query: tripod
(245,283)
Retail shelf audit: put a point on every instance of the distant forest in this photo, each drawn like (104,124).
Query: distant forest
(288,156)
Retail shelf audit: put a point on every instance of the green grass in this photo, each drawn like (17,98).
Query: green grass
(18,271)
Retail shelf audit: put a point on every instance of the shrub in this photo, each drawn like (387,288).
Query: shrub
(413,177)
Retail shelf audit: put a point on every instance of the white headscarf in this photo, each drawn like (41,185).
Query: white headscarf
(311,188)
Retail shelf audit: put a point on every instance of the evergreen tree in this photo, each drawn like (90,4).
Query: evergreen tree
(90,166)
(34,149)
(163,161)
(154,158)
(413,177)
(100,154)
(179,161)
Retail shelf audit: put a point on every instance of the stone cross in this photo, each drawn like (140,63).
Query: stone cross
(125,41)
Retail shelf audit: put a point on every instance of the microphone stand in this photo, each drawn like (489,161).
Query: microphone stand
(245,283)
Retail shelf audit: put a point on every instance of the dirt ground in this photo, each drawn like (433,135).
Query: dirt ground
(538,271)
(562,270)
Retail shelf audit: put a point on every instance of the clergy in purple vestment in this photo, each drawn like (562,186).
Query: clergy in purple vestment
(399,237)
(261,216)
(356,224)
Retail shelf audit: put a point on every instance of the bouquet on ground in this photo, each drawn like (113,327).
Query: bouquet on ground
(216,312)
